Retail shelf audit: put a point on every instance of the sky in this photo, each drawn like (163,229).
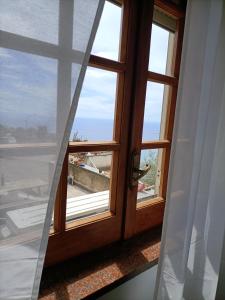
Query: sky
(28,82)
(106,44)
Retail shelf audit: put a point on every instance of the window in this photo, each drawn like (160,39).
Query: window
(149,185)
(107,39)
(98,96)
(160,54)
(156,104)
(89,178)
(115,170)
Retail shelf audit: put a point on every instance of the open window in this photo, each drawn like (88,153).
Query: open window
(114,177)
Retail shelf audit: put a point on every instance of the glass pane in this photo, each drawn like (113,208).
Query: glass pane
(155,111)
(107,39)
(95,113)
(23,194)
(148,186)
(31,19)
(88,184)
(28,112)
(29,82)
(161,50)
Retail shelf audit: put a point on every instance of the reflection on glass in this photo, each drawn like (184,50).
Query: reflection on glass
(88,184)
(160,50)
(52,222)
(148,186)
(28,107)
(95,113)
(24,190)
(28,86)
(31,19)
(155,111)
(107,39)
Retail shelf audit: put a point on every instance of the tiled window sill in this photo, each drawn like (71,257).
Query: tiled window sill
(93,274)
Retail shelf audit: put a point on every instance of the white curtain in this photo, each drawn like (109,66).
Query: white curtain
(41,43)
(194,222)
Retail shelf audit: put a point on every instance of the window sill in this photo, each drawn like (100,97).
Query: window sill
(91,275)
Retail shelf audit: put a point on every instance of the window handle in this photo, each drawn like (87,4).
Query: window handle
(139,173)
(135,172)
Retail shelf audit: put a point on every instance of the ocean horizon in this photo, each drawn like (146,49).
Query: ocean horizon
(86,128)
(102,129)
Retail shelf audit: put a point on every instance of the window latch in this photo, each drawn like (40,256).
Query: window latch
(135,172)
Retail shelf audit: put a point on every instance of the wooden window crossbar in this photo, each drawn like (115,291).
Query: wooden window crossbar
(106,64)
(155,144)
(93,146)
(160,78)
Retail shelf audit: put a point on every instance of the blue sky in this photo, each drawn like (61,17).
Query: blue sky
(107,45)
(29,82)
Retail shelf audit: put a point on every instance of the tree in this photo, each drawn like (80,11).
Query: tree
(78,138)
(150,159)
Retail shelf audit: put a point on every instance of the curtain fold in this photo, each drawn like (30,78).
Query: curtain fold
(41,44)
(194,222)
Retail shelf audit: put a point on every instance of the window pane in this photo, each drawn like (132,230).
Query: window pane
(148,186)
(28,84)
(161,50)
(95,113)
(88,184)
(107,39)
(155,111)
(24,190)
(31,19)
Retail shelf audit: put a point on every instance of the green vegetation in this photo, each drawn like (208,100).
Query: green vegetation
(150,158)
(78,138)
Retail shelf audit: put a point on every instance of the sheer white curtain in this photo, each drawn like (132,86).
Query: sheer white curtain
(194,221)
(41,42)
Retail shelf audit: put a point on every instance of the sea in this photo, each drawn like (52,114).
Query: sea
(90,129)
(102,130)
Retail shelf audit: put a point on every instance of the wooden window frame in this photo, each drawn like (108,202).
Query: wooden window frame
(105,226)
(149,214)
(62,234)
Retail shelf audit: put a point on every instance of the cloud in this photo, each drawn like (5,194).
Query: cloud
(31,19)
(98,94)
(29,82)
(154,102)
(28,87)
(4,53)
(158,51)
(95,107)
(108,35)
